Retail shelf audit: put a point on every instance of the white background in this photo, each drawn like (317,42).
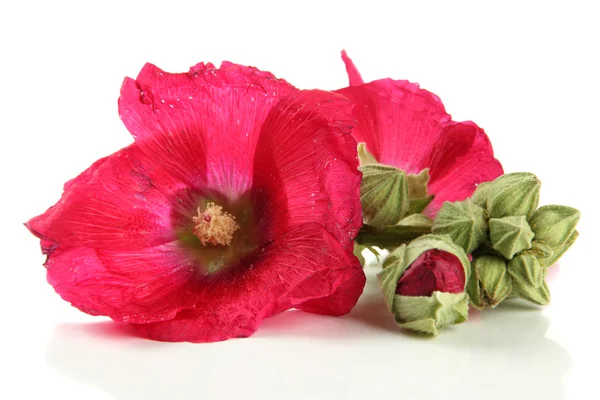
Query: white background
(526,72)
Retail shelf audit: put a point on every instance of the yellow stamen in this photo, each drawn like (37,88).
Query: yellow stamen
(213,226)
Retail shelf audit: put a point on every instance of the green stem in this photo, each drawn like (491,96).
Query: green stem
(389,237)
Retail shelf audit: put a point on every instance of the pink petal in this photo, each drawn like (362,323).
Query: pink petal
(354,77)
(399,122)
(306,166)
(274,281)
(201,126)
(464,158)
(141,286)
(120,202)
(434,270)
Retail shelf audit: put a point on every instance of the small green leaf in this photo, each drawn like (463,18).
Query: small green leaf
(464,222)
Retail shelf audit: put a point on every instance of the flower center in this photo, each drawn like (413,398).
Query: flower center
(213,226)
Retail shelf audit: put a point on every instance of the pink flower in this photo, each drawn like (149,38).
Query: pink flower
(238,200)
(407,127)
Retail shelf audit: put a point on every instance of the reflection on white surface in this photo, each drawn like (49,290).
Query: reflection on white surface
(500,354)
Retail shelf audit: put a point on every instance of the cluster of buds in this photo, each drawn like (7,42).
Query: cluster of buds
(512,242)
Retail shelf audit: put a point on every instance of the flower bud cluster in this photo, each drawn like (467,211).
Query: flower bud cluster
(511,240)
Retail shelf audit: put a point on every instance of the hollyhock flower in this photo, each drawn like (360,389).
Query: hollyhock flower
(424,284)
(238,200)
(407,127)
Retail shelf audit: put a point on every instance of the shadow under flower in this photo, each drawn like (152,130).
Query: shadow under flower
(497,354)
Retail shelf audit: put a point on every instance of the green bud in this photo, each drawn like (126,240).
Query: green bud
(510,235)
(514,194)
(364,156)
(417,191)
(383,194)
(428,314)
(481,194)
(528,279)
(464,222)
(557,253)
(490,282)
(540,249)
(554,225)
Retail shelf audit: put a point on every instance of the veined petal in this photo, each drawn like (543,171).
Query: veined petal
(306,167)
(146,285)
(279,278)
(462,159)
(202,126)
(398,121)
(122,201)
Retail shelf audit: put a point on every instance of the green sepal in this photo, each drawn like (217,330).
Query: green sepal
(416,206)
(554,224)
(525,269)
(357,251)
(539,295)
(490,282)
(510,235)
(557,253)
(417,184)
(416,220)
(390,237)
(481,194)
(423,313)
(528,279)
(540,250)
(364,156)
(383,194)
(464,222)
(430,314)
(418,195)
(513,194)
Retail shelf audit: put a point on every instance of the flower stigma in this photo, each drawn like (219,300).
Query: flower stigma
(213,226)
